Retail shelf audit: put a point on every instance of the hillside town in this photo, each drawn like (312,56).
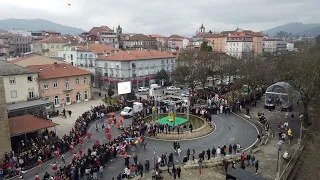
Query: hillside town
(105,104)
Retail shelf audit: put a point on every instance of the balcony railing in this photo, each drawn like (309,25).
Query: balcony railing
(32,98)
(45,50)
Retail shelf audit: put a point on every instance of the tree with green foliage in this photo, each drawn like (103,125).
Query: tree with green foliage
(205,46)
(162,75)
(110,92)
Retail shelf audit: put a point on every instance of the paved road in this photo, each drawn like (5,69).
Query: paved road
(230,129)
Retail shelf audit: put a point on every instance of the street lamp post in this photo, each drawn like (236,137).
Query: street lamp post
(300,136)
(279,160)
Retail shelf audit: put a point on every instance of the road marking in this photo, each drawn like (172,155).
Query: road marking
(232,139)
(253,126)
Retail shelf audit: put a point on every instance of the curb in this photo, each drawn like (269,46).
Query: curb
(179,140)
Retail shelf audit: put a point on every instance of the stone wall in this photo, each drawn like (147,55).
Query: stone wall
(5,140)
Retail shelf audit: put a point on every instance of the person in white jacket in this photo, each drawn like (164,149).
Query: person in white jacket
(218,152)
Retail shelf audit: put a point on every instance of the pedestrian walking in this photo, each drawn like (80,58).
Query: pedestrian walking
(200,166)
(193,153)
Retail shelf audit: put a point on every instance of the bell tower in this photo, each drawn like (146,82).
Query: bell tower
(202,29)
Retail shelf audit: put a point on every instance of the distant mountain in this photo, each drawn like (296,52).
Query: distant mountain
(295,28)
(36,25)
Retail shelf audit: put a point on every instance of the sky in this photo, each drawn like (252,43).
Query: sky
(165,17)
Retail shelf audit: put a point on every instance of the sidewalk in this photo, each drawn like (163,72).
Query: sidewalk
(268,154)
(66,124)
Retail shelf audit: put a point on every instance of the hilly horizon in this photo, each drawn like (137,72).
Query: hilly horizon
(37,25)
(296,28)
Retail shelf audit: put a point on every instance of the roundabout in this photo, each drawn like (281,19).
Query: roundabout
(229,129)
(200,127)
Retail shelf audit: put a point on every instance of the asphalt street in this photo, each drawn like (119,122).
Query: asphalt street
(230,129)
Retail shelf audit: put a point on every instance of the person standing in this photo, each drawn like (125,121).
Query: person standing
(248,159)
(193,153)
(179,172)
(214,152)
(188,154)
(253,159)
(200,166)
(256,165)
(208,153)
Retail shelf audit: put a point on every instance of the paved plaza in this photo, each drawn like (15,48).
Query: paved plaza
(66,124)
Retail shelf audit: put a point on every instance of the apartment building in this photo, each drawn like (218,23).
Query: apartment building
(137,66)
(139,42)
(63,84)
(49,46)
(21,84)
(238,43)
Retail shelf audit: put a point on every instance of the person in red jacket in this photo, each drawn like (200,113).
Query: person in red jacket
(37,177)
(89,135)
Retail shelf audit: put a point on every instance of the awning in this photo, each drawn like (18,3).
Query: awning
(26,124)
(106,80)
(134,80)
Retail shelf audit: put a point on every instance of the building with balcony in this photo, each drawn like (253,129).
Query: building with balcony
(21,84)
(238,43)
(63,84)
(102,34)
(137,66)
(85,56)
(274,45)
(49,46)
(139,42)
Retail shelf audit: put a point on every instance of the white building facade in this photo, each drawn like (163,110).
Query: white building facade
(139,67)
(238,43)
(274,45)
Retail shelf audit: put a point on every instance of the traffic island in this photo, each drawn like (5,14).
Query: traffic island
(201,127)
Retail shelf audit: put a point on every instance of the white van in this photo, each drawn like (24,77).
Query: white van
(129,111)
(155,86)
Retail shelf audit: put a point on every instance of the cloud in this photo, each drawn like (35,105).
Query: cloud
(166,16)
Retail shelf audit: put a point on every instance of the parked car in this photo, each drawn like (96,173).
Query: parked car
(143,89)
(173,88)
(155,86)
(185,94)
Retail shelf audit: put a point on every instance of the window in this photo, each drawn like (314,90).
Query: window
(46,85)
(29,78)
(52,46)
(78,97)
(31,93)
(14,94)
(86,95)
(57,46)
(67,84)
(55,84)
(52,54)
(56,101)
(84,80)
(12,80)
(77,81)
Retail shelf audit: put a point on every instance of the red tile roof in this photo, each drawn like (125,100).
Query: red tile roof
(137,55)
(175,36)
(97,48)
(25,124)
(50,71)
(140,37)
(53,39)
(95,30)
(22,58)
(156,36)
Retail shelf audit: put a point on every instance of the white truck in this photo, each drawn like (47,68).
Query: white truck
(130,111)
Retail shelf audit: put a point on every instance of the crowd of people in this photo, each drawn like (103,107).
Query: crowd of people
(46,146)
